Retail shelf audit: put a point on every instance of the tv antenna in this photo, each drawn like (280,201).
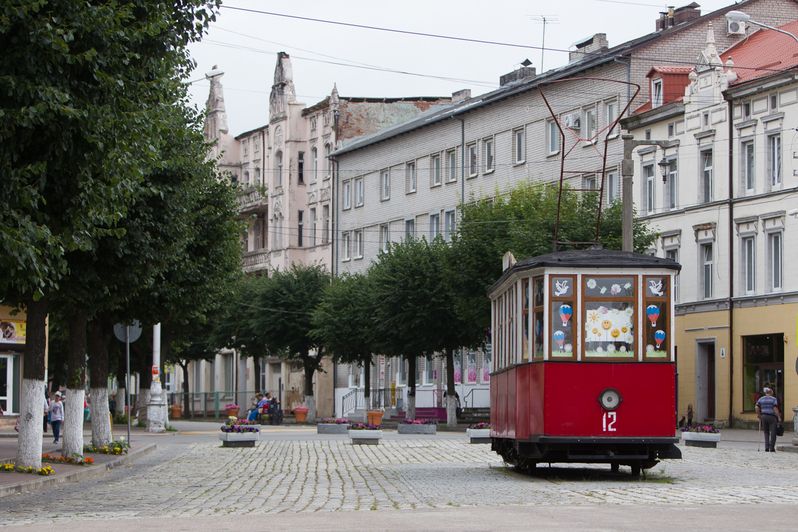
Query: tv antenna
(544,19)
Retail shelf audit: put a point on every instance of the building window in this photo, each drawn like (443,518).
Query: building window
(648,175)
(749,175)
(656,93)
(401,375)
(519,146)
(706,176)
(706,270)
(279,176)
(490,163)
(260,231)
(346,195)
(612,115)
(705,121)
(410,175)
(358,244)
(278,231)
(449,224)
(345,246)
(590,126)
(774,160)
(434,226)
(314,154)
(429,371)
(312,233)
(472,160)
(325,228)
(359,192)
(746,110)
(436,170)
(246,178)
(673,254)
(590,183)
(673,184)
(300,227)
(775,268)
(385,184)
(451,158)
(774,102)
(553,137)
(612,186)
(300,168)
(763,366)
(671,130)
(257,175)
(385,237)
(749,264)
(410,229)
(327,161)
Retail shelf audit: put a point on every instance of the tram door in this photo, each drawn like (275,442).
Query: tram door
(705,381)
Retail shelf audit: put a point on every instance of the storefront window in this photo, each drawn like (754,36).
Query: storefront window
(609,317)
(763,358)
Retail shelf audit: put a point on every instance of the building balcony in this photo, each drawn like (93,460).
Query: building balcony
(254,261)
(251,201)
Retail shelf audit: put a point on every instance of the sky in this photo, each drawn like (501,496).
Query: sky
(370,63)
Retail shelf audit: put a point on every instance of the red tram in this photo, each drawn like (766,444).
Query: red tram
(583,360)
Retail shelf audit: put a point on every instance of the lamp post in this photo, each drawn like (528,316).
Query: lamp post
(739,16)
(627,172)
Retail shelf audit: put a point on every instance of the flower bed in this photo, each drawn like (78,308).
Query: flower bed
(701,436)
(418,426)
(332,426)
(239,433)
(363,434)
(115,447)
(75,459)
(11,468)
(240,426)
(478,433)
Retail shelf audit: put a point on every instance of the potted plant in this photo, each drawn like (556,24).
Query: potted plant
(332,426)
(175,410)
(479,432)
(701,436)
(232,410)
(375,416)
(301,414)
(239,433)
(418,426)
(363,434)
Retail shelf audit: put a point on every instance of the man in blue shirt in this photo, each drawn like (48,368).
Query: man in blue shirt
(767,410)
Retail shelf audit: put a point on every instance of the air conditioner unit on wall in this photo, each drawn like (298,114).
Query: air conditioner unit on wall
(734,27)
(572,121)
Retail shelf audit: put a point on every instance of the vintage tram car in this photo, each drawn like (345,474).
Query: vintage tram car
(583,365)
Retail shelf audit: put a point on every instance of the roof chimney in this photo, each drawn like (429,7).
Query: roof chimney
(461,95)
(526,71)
(592,45)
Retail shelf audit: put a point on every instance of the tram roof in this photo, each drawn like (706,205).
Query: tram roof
(589,258)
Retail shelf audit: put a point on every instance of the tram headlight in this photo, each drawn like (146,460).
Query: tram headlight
(610,399)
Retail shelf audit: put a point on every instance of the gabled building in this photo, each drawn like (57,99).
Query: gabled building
(726,209)
(410,180)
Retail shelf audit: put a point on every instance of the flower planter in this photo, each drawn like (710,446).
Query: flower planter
(701,439)
(301,415)
(331,428)
(478,435)
(375,417)
(417,428)
(175,413)
(239,439)
(232,412)
(365,437)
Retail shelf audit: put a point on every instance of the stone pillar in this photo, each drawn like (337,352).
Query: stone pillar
(156,407)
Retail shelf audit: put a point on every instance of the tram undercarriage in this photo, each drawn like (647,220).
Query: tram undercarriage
(637,453)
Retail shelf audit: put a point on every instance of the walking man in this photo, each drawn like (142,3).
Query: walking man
(56,415)
(767,410)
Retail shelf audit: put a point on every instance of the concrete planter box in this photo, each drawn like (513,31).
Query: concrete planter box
(239,439)
(408,428)
(701,439)
(331,428)
(365,437)
(478,435)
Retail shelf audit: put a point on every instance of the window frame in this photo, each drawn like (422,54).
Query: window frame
(672,187)
(436,170)
(775,161)
(357,243)
(707,269)
(385,236)
(706,182)
(312,230)
(613,188)
(385,184)
(314,154)
(300,222)
(657,96)
(776,261)
(651,188)
(611,117)
(359,192)
(451,161)
(434,225)
(553,138)
(300,168)
(748,263)
(473,160)
(411,178)
(748,165)
(489,150)
(519,146)
(346,195)
(345,247)
(591,126)
(279,167)
(410,228)
(449,224)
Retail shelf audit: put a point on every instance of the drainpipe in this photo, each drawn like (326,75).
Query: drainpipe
(731,260)
(462,159)
(628,83)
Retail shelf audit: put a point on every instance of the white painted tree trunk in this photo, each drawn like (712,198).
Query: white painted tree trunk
(100,418)
(143,399)
(29,444)
(310,404)
(121,398)
(411,407)
(72,427)
(451,410)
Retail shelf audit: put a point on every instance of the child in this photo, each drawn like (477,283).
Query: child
(690,415)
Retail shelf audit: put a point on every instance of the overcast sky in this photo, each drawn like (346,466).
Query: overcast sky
(370,63)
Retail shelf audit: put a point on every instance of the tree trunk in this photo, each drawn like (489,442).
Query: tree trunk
(310,400)
(76,386)
(451,393)
(144,365)
(29,443)
(411,395)
(186,404)
(256,363)
(100,338)
(121,379)
(366,388)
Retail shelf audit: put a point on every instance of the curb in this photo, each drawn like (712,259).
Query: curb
(75,476)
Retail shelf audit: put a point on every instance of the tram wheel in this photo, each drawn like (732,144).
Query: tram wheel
(636,470)
(615,467)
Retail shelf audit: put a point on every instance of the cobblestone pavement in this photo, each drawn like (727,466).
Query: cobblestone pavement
(332,475)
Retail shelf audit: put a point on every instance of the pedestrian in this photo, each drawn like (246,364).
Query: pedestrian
(86,414)
(767,410)
(690,415)
(46,415)
(56,416)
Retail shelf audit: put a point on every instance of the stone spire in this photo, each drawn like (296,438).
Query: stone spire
(216,117)
(283,92)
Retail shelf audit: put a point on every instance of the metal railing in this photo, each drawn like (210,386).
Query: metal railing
(472,396)
(378,398)
(205,405)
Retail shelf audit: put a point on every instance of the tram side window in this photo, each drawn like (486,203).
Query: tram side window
(538,298)
(510,334)
(657,323)
(525,322)
(562,309)
(609,317)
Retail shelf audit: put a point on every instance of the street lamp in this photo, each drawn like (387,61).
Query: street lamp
(664,166)
(739,16)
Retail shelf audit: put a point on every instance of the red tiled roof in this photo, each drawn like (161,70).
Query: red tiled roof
(668,70)
(764,53)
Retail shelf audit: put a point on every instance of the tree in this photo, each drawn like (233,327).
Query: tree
(344,323)
(81,86)
(286,306)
